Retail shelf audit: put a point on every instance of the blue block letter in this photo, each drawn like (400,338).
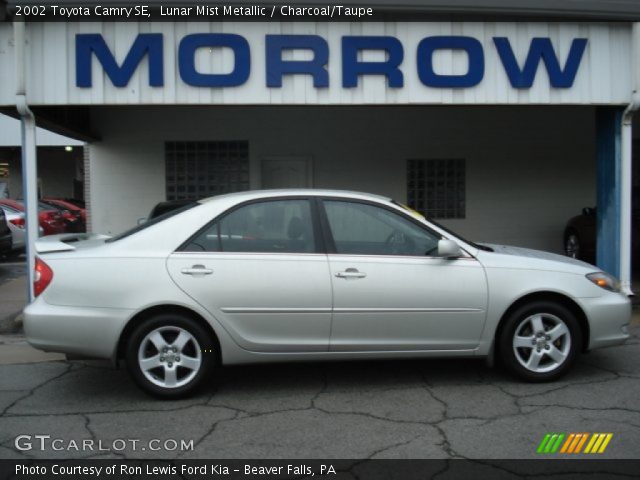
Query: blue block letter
(187,60)
(150,43)
(430,78)
(541,49)
(277,67)
(352,68)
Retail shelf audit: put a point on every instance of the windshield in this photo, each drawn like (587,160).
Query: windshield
(442,227)
(150,223)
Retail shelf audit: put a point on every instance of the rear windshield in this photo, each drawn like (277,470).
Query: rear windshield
(150,223)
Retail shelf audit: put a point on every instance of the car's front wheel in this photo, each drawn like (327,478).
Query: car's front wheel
(169,355)
(540,341)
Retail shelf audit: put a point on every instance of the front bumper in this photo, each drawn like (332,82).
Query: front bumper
(78,331)
(609,317)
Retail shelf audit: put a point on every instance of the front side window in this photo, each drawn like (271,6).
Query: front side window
(279,226)
(362,229)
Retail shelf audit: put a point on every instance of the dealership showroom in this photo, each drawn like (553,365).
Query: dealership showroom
(508,122)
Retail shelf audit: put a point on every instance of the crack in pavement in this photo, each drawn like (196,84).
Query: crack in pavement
(31,391)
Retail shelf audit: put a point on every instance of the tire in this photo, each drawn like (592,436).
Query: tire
(161,371)
(572,245)
(557,336)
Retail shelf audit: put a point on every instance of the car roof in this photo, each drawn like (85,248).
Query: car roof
(294,192)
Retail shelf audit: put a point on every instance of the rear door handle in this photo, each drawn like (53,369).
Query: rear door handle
(197,270)
(351,273)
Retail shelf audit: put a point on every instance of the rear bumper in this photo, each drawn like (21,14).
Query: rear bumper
(609,317)
(78,331)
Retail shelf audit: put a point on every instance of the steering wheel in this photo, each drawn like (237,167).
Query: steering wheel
(405,244)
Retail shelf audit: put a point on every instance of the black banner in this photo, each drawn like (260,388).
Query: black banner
(317,469)
(203,11)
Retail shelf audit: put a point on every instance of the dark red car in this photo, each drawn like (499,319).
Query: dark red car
(73,216)
(50,220)
(72,206)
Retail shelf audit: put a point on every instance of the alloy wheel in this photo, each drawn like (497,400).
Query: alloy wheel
(169,357)
(542,342)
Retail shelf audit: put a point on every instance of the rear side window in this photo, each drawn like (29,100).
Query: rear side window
(279,226)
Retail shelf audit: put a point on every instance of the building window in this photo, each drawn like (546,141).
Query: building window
(203,169)
(436,187)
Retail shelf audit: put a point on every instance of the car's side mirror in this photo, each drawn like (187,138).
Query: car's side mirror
(448,249)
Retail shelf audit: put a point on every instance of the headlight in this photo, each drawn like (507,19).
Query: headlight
(604,280)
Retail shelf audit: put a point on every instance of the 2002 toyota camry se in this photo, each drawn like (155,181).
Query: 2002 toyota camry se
(311,275)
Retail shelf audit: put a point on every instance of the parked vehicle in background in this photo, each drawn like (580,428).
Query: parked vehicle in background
(6,239)
(74,206)
(50,220)
(295,275)
(165,207)
(580,236)
(72,216)
(16,222)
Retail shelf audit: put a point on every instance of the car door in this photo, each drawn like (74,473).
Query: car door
(390,290)
(260,270)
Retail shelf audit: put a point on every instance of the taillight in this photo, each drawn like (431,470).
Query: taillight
(42,277)
(18,222)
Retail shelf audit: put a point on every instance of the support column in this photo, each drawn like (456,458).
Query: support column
(609,159)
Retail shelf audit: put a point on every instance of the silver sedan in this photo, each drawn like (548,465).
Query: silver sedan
(296,275)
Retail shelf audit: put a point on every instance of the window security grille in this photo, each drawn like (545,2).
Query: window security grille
(203,169)
(437,187)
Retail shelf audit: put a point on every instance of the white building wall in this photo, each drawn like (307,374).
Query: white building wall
(529,169)
(11,135)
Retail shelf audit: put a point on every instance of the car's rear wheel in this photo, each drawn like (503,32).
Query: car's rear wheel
(540,341)
(572,247)
(169,355)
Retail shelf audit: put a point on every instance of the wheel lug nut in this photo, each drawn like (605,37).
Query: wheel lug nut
(162,359)
(170,364)
(533,342)
(547,347)
(537,349)
(177,359)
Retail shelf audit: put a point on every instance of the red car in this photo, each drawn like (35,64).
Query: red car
(68,205)
(72,215)
(51,221)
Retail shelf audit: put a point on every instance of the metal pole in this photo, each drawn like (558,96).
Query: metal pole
(29,155)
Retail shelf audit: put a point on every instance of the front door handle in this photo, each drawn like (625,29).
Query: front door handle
(197,270)
(351,273)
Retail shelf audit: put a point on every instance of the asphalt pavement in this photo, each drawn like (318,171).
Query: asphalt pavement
(390,409)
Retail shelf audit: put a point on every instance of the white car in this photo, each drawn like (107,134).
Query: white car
(16,222)
(296,275)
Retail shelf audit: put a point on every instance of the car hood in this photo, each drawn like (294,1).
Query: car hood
(517,257)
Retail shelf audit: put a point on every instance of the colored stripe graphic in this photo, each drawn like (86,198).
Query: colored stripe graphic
(574,443)
(598,443)
(582,440)
(550,443)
